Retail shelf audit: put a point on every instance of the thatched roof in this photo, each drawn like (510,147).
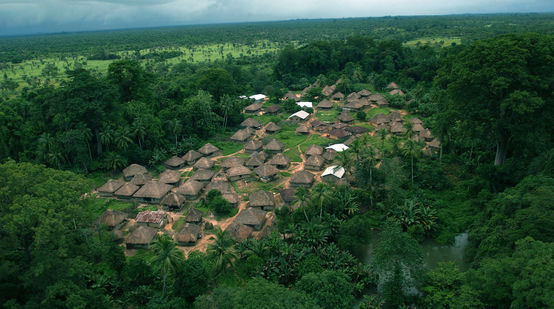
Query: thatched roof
(315,161)
(204,163)
(379,119)
(357,130)
(111,218)
(288,195)
(238,171)
(193,216)
(392,85)
(231,197)
(153,189)
(376,97)
(170,176)
(173,199)
(325,104)
(111,186)
(345,117)
(142,235)
(291,95)
(395,116)
(302,177)
(353,95)
(239,231)
(354,105)
(272,128)
(203,175)
(329,155)
(251,216)
(396,92)
(364,93)
(251,123)
(302,129)
(150,216)
(328,90)
(208,149)
(253,107)
(232,162)
(415,121)
(397,127)
(273,109)
(339,133)
(274,145)
(261,199)
(350,140)
(222,186)
(417,127)
(279,159)
(174,162)
(190,233)
(314,150)
(192,155)
(266,170)
(253,145)
(435,144)
(338,96)
(316,123)
(426,134)
(255,161)
(134,169)
(127,190)
(141,179)
(241,135)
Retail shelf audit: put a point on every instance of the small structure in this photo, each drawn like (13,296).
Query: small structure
(345,117)
(379,100)
(152,192)
(112,219)
(392,85)
(303,104)
(262,199)
(396,92)
(280,161)
(193,216)
(109,188)
(353,96)
(266,172)
(237,173)
(272,128)
(274,146)
(302,129)
(141,238)
(241,136)
(188,235)
(339,96)
(231,198)
(272,110)
(313,150)
(339,133)
(239,231)
(290,95)
(395,116)
(203,175)
(288,196)
(435,145)
(257,97)
(379,119)
(338,147)
(251,123)
(254,161)
(174,163)
(300,115)
(415,121)
(141,180)
(302,179)
(426,135)
(191,156)
(209,150)
(253,217)
(314,163)
(173,201)
(203,163)
(170,177)
(397,128)
(231,162)
(333,173)
(354,105)
(222,186)
(126,191)
(329,155)
(134,169)
(253,108)
(328,90)
(325,104)
(364,93)
(151,218)
(253,146)
(357,130)
(417,127)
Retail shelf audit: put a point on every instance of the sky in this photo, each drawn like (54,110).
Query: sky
(47,16)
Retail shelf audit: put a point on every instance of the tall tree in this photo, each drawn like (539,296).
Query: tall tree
(166,256)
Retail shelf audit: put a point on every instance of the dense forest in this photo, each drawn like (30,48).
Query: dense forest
(489,100)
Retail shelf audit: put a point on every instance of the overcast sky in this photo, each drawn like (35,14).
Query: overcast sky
(43,16)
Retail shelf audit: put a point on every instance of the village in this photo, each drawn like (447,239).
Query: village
(262,176)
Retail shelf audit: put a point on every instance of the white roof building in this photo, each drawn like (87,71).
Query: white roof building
(335,170)
(258,97)
(305,104)
(338,147)
(243,97)
(301,114)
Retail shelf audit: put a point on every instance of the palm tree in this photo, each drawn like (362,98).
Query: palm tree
(139,130)
(167,256)
(344,159)
(302,199)
(122,139)
(382,135)
(409,129)
(222,252)
(175,128)
(106,136)
(411,149)
(320,191)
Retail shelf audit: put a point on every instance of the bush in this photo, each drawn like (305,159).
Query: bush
(361,115)
(216,203)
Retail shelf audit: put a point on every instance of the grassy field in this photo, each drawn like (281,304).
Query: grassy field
(439,41)
(380,110)
(328,115)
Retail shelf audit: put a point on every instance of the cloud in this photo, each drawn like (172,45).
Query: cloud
(28,16)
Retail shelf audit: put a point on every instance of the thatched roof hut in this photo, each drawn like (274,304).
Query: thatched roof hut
(290,95)
(353,96)
(415,121)
(426,135)
(231,162)
(241,135)
(239,231)
(174,162)
(339,133)
(193,216)
(253,217)
(272,128)
(208,150)
(397,128)
(239,172)
(378,99)
(273,109)
(191,156)
(253,108)
(254,161)
(313,150)
(251,123)
(435,144)
(262,199)
(141,238)
(288,195)
(151,218)
(132,170)
(280,161)
(253,145)
(392,85)
(345,117)
(203,163)
(112,218)
(140,180)
(231,198)
(126,191)
(329,155)
(152,192)
(222,186)
(188,235)
(314,163)
(417,128)
(339,96)
(266,172)
(354,106)
(364,93)
(328,90)
(274,146)
(203,175)
(173,201)
(302,179)
(357,130)
(379,119)
(110,187)
(396,92)
(170,177)
(325,104)
(302,129)
(395,116)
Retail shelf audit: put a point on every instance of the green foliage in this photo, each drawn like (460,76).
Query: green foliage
(191,278)
(290,106)
(330,289)
(446,289)
(219,205)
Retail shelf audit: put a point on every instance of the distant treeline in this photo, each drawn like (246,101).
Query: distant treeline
(467,27)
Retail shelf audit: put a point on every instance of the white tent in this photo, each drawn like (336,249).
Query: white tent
(335,170)
(257,97)
(301,114)
(338,147)
(305,104)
